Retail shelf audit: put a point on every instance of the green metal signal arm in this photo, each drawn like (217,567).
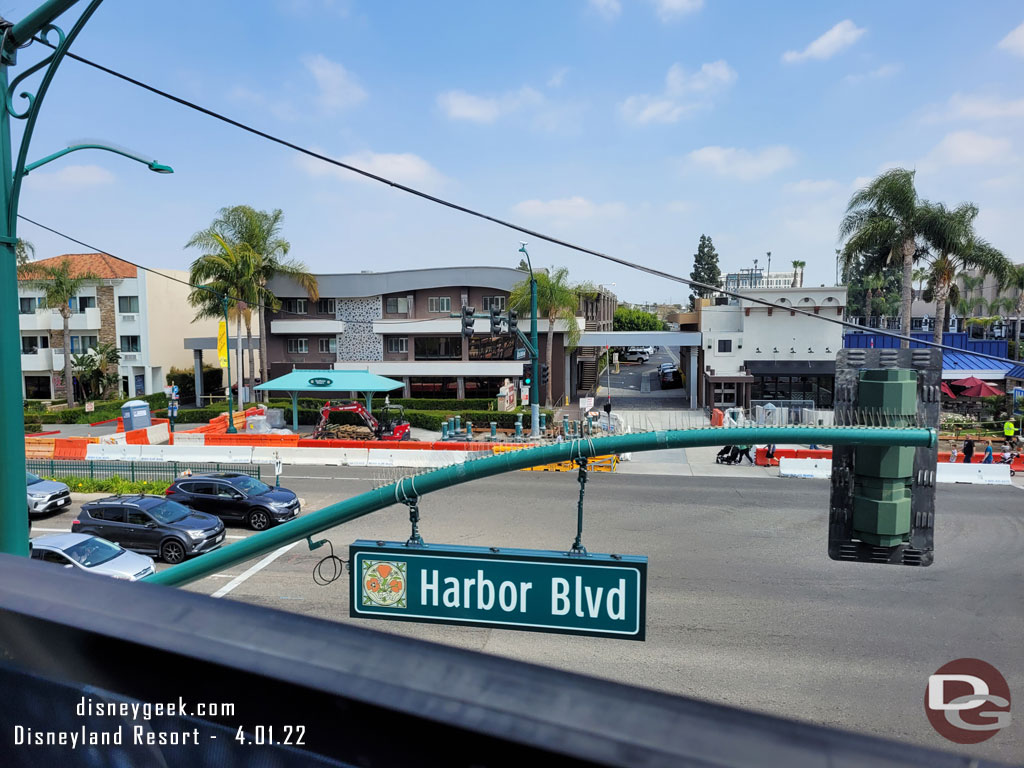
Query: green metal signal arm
(414,487)
(153,165)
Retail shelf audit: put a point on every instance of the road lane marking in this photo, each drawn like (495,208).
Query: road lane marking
(254,570)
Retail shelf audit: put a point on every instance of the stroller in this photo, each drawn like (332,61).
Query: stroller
(730,454)
(1009,459)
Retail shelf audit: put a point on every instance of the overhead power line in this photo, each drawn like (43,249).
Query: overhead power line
(487,217)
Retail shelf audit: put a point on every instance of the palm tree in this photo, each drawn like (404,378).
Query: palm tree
(23,252)
(1014,278)
(872,283)
(796,272)
(887,215)
(557,299)
(59,287)
(957,249)
(258,232)
(921,276)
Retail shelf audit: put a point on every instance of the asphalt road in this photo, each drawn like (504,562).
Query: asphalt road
(627,387)
(744,607)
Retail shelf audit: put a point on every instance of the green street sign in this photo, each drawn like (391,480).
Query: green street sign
(531,590)
(320,381)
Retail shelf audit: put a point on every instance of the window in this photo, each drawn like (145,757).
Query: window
(138,518)
(325,306)
(207,488)
(439,304)
(495,301)
(439,348)
(724,346)
(298,346)
(29,345)
(398,344)
(328,345)
(48,556)
(397,306)
(112,514)
(82,303)
(294,306)
(27,306)
(37,387)
(80,344)
(128,305)
(130,344)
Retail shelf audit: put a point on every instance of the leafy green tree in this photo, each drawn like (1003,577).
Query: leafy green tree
(705,269)
(626,319)
(23,252)
(260,254)
(887,216)
(557,299)
(59,287)
(1014,280)
(92,369)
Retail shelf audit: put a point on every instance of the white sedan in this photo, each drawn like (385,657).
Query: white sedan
(91,554)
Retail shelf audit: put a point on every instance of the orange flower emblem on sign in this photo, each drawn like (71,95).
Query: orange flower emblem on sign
(384,583)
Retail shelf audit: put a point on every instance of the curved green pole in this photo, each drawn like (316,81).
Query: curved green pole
(418,485)
(153,165)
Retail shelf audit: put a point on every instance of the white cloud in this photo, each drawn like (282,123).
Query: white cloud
(742,163)
(337,88)
(405,168)
(813,187)
(609,9)
(459,105)
(567,209)
(556,79)
(1014,42)
(670,10)
(886,70)
(70,177)
(979,107)
(684,93)
(842,35)
(968,148)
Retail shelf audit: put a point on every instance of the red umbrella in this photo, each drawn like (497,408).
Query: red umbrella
(947,391)
(982,389)
(970,381)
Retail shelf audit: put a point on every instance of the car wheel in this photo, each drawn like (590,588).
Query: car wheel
(172,552)
(259,520)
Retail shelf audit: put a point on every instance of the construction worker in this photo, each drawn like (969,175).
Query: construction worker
(1009,428)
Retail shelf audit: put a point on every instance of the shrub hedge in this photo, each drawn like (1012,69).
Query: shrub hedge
(105,409)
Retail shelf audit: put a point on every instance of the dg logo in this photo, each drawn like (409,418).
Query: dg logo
(967,701)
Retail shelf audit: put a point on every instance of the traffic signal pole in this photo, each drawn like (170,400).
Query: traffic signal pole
(534,352)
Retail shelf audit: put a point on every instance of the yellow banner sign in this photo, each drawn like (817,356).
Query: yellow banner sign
(222,344)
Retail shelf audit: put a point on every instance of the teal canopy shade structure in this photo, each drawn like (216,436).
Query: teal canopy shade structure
(302,380)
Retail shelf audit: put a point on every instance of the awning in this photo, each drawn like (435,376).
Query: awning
(325,382)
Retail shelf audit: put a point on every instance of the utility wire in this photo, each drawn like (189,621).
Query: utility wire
(501,222)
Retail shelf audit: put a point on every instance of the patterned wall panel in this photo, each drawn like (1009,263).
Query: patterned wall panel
(359,342)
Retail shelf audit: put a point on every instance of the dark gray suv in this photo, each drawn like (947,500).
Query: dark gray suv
(152,525)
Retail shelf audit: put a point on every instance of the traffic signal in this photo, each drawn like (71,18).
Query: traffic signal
(513,321)
(544,374)
(467,320)
(495,319)
(527,373)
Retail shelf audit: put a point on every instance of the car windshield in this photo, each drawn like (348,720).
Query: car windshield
(251,486)
(31,479)
(168,512)
(93,551)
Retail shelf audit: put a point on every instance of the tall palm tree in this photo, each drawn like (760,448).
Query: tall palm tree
(256,234)
(557,299)
(59,287)
(23,252)
(921,275)
(874,285)
(1014,279)
(956,250)
(796,272)
(887,215)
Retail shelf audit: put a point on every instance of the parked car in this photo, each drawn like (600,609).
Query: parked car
(91,554)
(650,350)
(667,367)
(151,524)
(634,355)
(45,495)
(671,378)
(234,496)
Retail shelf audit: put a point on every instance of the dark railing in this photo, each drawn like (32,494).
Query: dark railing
(131,470)
(360,697)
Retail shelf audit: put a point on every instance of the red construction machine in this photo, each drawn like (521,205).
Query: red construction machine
(392,426)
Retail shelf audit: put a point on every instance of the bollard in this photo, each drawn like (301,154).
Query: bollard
(565,427)
(519,428)
(469,430)
(458,423)
(590,425)
(543,422)
(451,427)
(494,429)
(444,430)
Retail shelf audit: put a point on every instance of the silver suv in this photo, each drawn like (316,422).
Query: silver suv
(45,495)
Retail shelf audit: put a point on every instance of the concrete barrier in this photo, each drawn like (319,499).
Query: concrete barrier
(108,452)
(189,438)
(975,474)
(117,438)
(158,434)
(810,468)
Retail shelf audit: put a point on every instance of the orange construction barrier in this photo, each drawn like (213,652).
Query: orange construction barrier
(717,418)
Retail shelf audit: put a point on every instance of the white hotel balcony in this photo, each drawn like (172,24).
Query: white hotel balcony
(50,320)
(42,360)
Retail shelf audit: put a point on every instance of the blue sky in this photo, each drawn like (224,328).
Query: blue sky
(629,126)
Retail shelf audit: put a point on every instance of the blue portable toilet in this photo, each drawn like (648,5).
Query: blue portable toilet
(135,414)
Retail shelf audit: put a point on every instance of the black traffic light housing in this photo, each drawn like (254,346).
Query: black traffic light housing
(527,373)
(513,321)
(544,374)
(467,320)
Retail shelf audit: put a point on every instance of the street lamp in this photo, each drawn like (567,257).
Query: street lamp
(534,386)
(13,39)
(608,366)
(153,165)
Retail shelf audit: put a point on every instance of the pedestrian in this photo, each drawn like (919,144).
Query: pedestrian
(968,450)
(744,451)
(1009,432)
(769,453)
(952,452)
(988,453)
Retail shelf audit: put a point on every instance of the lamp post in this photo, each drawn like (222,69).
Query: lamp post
(13,39)
(608,367)
(224,301)
(534,385)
